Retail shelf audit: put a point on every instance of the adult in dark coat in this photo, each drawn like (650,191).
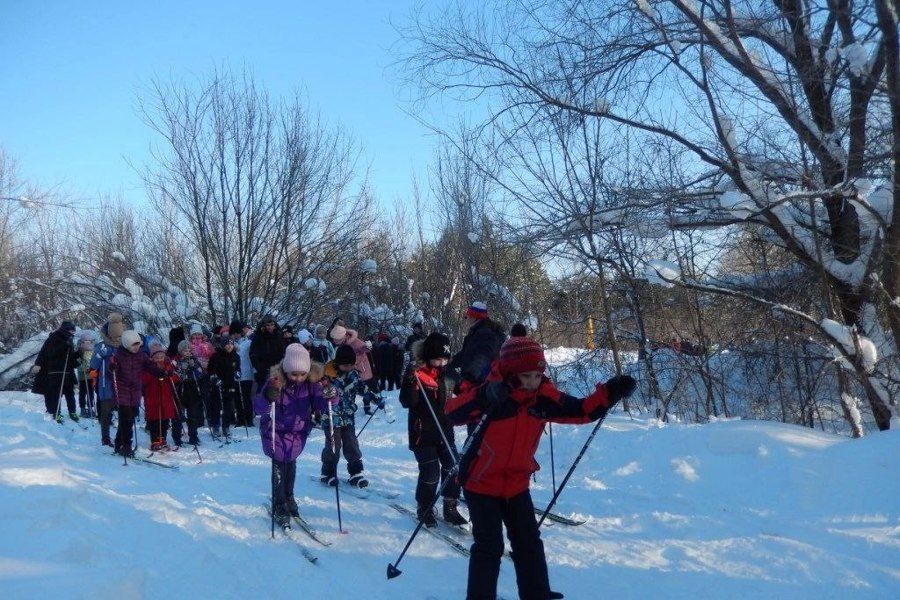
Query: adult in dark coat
(384,356)
(480,347)
(416,335)
(54,370)
(266,348)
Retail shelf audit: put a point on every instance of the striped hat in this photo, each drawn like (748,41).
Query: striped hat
(521,354)
(477,310)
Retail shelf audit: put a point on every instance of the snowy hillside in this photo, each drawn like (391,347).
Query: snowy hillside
(733,509)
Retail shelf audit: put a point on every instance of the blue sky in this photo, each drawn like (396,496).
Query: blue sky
(71,72)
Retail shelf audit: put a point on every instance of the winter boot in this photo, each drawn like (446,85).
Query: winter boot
(329,480)
(451,512)
(59,419)
(73,416)
(194,440)
(369,410)
(84,414)
(282,516)
(425,514)
(359,480)
(292,507)
(216,433)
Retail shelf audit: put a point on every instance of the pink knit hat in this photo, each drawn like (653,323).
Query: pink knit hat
(296,359)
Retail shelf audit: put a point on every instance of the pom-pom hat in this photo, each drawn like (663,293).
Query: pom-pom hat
(521,354)
(477,310)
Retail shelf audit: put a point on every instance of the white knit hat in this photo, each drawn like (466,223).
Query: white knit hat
(296,359)
(304,336)
(338,333)
(130,337)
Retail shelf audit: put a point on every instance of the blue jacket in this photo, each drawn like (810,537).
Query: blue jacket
(100,362)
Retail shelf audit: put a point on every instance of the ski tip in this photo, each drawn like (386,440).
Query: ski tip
(392,571)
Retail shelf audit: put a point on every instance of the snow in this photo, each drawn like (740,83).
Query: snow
(857,58)
(662,272)
(737,509)
(368,266)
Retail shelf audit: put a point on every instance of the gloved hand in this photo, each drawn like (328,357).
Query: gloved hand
(35,369)
(494,394)
(94,375)
(619,388)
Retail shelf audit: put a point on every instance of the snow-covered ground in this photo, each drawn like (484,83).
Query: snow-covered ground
(732,509)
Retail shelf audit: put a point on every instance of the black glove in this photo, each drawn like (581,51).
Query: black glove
(494,394)
(620,387)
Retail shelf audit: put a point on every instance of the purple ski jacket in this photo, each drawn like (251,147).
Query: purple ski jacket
(128,373)
(294,407)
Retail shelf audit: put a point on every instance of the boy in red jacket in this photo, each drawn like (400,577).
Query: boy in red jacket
(497,470)
(160,407)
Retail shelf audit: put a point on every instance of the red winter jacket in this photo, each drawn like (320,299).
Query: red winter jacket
(159,396)
(501,463)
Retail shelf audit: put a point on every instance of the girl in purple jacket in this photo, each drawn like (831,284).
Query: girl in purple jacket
(293,399)
(128,365)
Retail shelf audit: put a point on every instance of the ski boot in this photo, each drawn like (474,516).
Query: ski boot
(451,512)
(425,514)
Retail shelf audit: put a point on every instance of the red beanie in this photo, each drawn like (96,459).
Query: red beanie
(521,354)
(477,310)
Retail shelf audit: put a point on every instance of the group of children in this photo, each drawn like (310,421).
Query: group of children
(510,408)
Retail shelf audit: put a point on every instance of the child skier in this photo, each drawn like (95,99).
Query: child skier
(427,386)
(160,406)
(495,472)
(224,371)
(128,366)
(189,372)
(111,338)
(340,427)
(86,395)
(291,398)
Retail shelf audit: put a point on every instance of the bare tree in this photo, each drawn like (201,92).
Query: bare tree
(262,192)
(786,116)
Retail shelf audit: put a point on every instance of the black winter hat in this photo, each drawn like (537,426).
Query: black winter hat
(518,330)
(67,327)
(236,327)
(344,355)
(436,345)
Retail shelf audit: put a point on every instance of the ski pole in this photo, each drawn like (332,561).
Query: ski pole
(552,458)
(272,417)
(392,570)
(337,481)
(571,470)
(450,448)
(62,382)
(363,428)
(119,439)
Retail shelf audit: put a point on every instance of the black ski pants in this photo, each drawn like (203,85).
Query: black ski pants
(488,515)
(285,475)
(344,438)
(435,463)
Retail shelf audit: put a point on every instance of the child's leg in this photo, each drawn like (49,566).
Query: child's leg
(486,515)
(429,473)
(69,393)
(153,428)
(526,545)
(82,396)
(124,432)
(353,455)
(214,407)
(228,409)
(330,454)
(106,407)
